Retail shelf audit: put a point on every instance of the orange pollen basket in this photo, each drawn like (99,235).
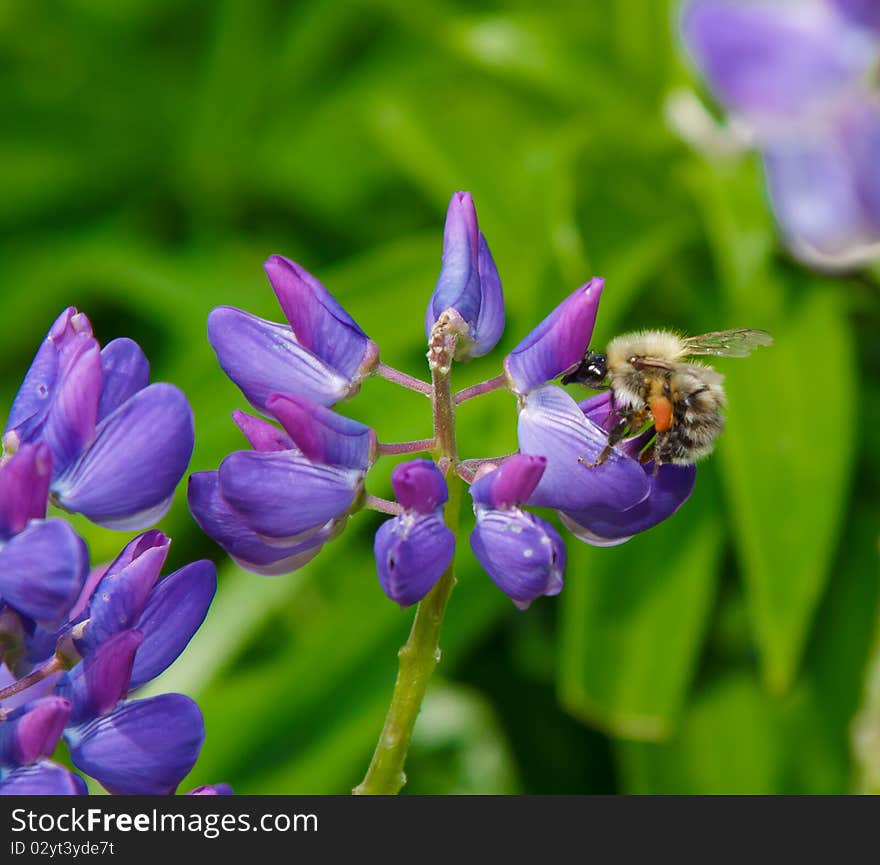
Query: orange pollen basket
(661,409)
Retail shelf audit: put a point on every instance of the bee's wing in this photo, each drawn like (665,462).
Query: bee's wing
(726,343)
(705,373)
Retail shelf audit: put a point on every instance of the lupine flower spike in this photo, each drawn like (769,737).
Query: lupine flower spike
(88,431)
(272,508)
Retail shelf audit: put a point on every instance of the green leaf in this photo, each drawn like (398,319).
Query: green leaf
(728,743)
(633,620)
(787,455)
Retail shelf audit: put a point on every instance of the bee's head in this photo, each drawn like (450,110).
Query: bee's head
(595,369)
(592,371)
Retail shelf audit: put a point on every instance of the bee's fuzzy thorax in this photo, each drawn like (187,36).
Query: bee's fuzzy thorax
(663,344)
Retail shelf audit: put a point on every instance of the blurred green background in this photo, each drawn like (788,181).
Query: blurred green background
(154,153)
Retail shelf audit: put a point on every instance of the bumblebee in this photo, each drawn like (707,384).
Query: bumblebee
(653,385)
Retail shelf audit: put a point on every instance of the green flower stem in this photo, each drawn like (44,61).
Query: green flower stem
(421,653)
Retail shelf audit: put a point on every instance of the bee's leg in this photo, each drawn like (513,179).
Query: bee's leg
(618,432)
(659,447)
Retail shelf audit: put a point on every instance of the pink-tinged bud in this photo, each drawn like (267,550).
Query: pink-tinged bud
(32,731)
(558,343)
(419,486)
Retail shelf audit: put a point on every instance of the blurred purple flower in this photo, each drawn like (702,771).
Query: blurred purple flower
(468,290)
(798,77)
(413,549)
(119,445)
(321,354)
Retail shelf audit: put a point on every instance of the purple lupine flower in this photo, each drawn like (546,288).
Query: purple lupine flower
(43,562)
(87,425)
(523,554)
(274,507)
(321,354)
(796,77)
(468,291)
(119,445)
(128,628)
(118,598)
(132,747)
(557,344)
(41,779)
(413,549)
(553,426)
(147,746)
(602,504)
(30,732)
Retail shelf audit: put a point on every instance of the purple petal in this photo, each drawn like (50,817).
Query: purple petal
(468,281)
(551,425)
(98,682)
(283,494)
(212,790)
(43,779)
(36,396)
(523,554)
(322,435)
(558,343)
(143,748)
(458,286)
(176,608)
(249,550)
(262,435)
(121,594)
(139,454)
(263,358)
(770,59)
(860,134)
(24,487)
(319,323)
(412,552)
(68,325)
(600,410)
(510,484)
(126,371)
(32,731)
(490,322)
(816,196)
(864,13)
(419,486)
(70,424)
(42,570)
(600,526)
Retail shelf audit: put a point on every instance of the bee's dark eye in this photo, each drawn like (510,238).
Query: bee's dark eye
(591,372)
(666,389)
